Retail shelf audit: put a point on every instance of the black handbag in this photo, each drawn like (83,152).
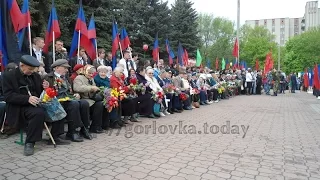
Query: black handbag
(97,96)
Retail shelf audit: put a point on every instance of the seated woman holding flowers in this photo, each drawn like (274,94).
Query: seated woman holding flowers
(86,87)
(145,102)
(128,105)
(157,91)
(102,80)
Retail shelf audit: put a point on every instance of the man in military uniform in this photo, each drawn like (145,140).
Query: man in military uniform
(77,110)
(22,88)
(276,81)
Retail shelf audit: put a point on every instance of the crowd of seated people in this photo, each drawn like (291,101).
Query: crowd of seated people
(163,90)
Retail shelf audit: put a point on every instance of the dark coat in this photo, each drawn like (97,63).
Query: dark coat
(73,61)
(142,79)
(293,79)
(65,90)
(47,60)
(160,81)
(18,98)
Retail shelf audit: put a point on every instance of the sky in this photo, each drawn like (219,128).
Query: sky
(251,9)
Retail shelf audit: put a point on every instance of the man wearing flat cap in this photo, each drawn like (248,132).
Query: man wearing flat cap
(77,110)
(178,83)
(22,108)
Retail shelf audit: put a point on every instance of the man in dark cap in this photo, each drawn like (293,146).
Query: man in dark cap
(178,83)
(77,110)
(22,88)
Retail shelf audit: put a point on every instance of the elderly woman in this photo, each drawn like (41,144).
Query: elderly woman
(145,105)
(102,79)
(86,87)
(128,106)
(154,85)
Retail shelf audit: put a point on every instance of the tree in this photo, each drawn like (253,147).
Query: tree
(217,35)
(255,43)
(302,51)
(184,23)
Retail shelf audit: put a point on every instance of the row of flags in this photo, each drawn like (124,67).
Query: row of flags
(311,77)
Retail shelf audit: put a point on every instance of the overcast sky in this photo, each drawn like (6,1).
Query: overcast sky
(251,9)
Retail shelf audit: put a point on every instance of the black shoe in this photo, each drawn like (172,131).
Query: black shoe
(157,115)
(28,149)
(151,116)
(85,134)
(59,141)
(97,131)
(177,111)
(187,108)
(171,112)
(134,119)
(75,137)
(202,103)
(116,126)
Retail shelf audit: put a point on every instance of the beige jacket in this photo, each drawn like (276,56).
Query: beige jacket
(81,85)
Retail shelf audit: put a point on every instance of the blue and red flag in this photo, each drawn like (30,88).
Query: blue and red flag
(170,52)
(3,49)
(310,77)
(124,39)
(25,20)
(15,14)
(180,55)
(53,27)
(92,36)
(227,64)
(115,43)
(155,52)
(81,27)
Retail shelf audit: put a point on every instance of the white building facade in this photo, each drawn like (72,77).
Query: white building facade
(285,28)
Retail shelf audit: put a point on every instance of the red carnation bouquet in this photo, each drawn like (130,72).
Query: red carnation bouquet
(183,96)
(157,97)
(48,94)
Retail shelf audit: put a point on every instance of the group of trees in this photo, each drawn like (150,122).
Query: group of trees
(143,19)
(218,37)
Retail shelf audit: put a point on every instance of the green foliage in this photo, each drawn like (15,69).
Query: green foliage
(303,51)
(217,37)
(255,43)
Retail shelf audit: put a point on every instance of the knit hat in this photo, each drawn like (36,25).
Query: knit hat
(77,67)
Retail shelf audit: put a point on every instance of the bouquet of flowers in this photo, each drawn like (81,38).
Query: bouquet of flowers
(183,96)
(51,105)
(118,94)
(157,97)
(169,88)
(195,91)
(110,100)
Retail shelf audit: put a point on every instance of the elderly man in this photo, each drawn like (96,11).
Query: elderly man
(77,110)
(178,83)
(22,88)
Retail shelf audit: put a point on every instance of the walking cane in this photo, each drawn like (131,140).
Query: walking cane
(45,124)
(4,120)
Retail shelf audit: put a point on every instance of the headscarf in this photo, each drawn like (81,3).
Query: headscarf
(86,69)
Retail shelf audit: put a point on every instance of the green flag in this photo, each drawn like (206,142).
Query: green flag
(199,58)
(223,64)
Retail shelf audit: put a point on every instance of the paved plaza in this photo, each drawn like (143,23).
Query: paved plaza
(246,137)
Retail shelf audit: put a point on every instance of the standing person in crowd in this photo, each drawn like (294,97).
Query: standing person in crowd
(254,82)
(259,82)
(282,84)
(249,80)
(38,44)
(101,61)
(127,63)
(83,59)
(293,80)
(61,52)
(276,81)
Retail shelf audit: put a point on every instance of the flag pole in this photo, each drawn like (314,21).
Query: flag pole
(79,44)
(30,43)
(96,43)
(53,47)
(121,50)
(238,27)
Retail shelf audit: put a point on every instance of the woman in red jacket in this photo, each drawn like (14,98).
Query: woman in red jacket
(128,106)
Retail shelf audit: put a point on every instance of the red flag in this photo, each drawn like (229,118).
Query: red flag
(185,57)
(316,77)
(257,64)
(306,78)
(217,63)
(235,49)
(268,63)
